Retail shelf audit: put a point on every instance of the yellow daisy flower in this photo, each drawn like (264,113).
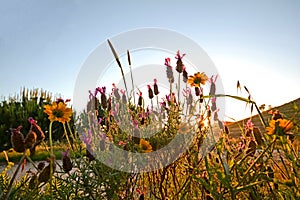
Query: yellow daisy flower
(58,111)
(197,79)
(145,146)
(279,126)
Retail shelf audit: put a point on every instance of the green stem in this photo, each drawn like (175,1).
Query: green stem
(67,137)
(51,156)
(178,89)
(241,99)
(255,161)
(70,130)
(31,161)
(50,138)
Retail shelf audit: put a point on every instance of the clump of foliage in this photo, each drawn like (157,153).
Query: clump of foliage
(16,110)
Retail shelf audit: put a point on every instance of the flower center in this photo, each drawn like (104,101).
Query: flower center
(144,147)
(58,113)
(197,80)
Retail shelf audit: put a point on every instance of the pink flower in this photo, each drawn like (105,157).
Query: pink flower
(168,62)
(87,137)
(179,64)
(249,124)
(32,121)
(121,143)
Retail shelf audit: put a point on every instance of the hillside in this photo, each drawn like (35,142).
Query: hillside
(287,109)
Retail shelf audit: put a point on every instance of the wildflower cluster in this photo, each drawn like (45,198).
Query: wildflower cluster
(33,138)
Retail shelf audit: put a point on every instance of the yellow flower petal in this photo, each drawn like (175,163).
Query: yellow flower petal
(58,112)
(145,146)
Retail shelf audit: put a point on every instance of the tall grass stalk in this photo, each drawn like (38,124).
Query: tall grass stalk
(119,64)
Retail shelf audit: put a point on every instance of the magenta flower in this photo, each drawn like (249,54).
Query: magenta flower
(169,70)
(32,121)
(67,163)
(150,92)
(65,153)
(140,100)
(249,124)
(155,87)
(168,62)
(62,100)
(87,137)
(179,64)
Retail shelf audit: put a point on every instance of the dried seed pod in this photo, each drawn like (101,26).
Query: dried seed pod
(41,166)
(140,100)
(169,70)
(30,139)
(37,129)
(179,63)
(155,87)
(44,176)
(185,75)
(67,164)
(17,140)
(150,92)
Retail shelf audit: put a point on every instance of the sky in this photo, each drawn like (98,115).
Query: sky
(43,44)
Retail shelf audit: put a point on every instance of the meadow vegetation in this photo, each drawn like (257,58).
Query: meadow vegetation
(259,164)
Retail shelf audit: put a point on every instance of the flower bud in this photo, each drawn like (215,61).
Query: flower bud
(41,165)
(185,75)
(140,100)
(30,139)
(150,92)
(155,87)
(197,91)
(17,140)
(67,163)
(40,136)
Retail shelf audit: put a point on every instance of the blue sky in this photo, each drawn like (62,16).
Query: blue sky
(43,44)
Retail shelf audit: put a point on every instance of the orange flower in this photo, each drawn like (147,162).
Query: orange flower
(279,126)
(58,111)
(145,146)
(197,79)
